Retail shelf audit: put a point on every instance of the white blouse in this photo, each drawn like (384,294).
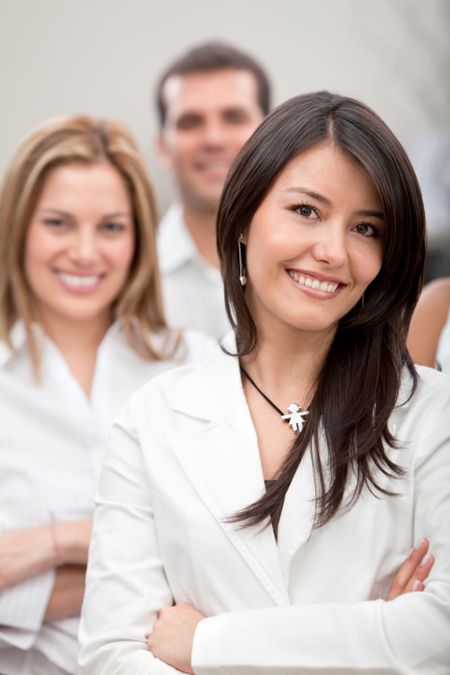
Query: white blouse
(52,439)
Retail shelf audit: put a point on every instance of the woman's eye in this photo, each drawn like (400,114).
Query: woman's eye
(305,210)
(366,229)
(54,222)
(112,227)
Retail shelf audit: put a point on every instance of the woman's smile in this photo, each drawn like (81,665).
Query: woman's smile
(318,242)
(311,283)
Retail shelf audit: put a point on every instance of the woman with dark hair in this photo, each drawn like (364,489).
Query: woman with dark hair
(252,513)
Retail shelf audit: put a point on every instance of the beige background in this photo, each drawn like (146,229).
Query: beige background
(104,56)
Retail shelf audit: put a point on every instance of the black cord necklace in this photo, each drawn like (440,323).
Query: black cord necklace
(294,416)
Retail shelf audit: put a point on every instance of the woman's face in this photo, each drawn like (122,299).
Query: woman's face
(314,244)
(80,243)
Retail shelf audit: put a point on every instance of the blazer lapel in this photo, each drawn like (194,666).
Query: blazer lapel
(215,442)
(297,517)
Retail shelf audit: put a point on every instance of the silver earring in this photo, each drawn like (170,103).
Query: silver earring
(242,275)
(362,301)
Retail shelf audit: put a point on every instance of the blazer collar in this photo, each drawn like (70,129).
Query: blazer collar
(213,390)
(217,446)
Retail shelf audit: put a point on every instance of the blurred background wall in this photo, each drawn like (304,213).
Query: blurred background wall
(104,56)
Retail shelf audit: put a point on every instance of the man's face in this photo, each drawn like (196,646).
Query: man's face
(209,117)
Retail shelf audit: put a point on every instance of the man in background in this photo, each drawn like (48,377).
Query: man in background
(210,100)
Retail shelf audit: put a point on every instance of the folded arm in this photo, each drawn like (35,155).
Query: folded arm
(37,565)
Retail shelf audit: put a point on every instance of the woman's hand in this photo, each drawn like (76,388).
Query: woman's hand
(25,553)
(71,541)
(413,572)
(28,552)
(173,635)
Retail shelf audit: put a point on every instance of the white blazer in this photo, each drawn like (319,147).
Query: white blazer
(183,456)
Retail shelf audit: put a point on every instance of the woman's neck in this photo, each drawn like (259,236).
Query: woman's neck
(78,342)
(287,367)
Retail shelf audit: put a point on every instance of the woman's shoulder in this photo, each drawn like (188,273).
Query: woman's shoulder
(438,292)
(182,347)
(426,409)
(432,381)
(432,387)
(196,346)
(434,304)
(205,373)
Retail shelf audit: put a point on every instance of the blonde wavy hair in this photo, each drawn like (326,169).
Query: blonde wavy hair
(64,141)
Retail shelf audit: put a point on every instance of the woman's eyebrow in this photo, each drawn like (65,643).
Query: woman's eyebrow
(309,193)
(50,209)
(373,213)
(113,214)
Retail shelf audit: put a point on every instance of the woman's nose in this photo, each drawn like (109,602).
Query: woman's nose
(331,246)
(83,249)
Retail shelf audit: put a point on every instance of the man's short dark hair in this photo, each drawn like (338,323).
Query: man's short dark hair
(211,56)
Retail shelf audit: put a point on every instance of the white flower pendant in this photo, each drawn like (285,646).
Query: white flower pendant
(295,417)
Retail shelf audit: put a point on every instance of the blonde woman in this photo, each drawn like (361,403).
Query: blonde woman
(81,327)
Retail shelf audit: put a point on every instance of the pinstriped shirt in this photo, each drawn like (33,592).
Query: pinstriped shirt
(52,438)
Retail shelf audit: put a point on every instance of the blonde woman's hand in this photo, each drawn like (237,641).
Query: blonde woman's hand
(414,571)
(172,636)
(27,552)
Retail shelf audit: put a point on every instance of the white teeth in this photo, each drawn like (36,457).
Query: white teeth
(315,284)
(75,281)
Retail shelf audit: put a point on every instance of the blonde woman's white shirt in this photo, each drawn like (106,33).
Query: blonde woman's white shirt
(52,440)
(311,602)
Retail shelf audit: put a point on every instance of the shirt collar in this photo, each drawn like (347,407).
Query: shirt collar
(18,339)
(175,245)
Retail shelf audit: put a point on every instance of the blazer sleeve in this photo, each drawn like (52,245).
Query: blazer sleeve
(407,636)
(125,581)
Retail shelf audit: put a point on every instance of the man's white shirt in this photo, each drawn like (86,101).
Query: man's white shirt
(192,288)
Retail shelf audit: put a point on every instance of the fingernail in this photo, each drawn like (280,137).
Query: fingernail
(426,560)
(416,585)
(417,545)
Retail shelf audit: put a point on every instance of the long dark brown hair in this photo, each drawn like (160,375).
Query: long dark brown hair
(359,382)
